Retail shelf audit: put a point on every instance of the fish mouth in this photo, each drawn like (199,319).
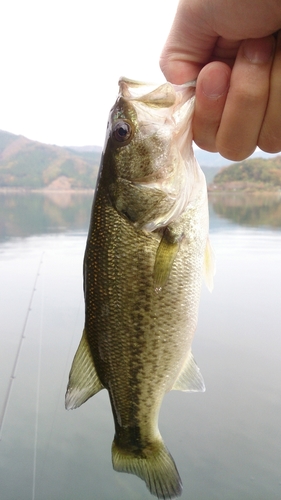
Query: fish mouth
(157,95)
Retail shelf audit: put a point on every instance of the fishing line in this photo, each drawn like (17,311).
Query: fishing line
(22,336)
(64,380)
(38,387)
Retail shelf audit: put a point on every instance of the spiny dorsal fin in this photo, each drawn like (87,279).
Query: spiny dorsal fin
(83,379)
(209,266)
(190,378)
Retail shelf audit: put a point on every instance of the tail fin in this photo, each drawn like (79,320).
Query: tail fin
(157,468)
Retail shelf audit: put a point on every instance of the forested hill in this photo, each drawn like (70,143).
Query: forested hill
(33,165)
(255,174)
(27,164)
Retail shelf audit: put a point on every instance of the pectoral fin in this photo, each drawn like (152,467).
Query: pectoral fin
(190,378)
(165,256)
(209,266)
(83,379)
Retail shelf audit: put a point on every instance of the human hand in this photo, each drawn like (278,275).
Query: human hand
(238,93)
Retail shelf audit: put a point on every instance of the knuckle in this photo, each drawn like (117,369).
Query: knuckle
(235,152)
(207,145)
(269,141)
(252,98)
(205,137)
(252,94)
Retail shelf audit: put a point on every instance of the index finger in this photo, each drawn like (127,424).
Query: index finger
(247,98)
(189,46)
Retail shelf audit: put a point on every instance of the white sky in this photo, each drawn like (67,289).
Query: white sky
(60,62)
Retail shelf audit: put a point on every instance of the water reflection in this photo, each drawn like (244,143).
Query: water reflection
(27,214)
(24,214)
(248,209)
(226,442)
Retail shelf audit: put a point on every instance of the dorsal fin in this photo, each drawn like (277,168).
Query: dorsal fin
(83,379)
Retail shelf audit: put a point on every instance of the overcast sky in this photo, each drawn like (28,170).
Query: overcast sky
(61,60)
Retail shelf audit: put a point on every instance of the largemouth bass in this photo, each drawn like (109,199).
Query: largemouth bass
(146,251)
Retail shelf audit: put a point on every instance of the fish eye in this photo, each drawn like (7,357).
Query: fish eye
(122,131)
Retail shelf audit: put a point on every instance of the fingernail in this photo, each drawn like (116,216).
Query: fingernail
(215,87)
(259,51)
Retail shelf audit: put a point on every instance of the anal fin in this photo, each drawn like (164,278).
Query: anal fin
(83,378)
(190,378)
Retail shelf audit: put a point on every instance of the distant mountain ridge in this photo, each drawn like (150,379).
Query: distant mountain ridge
(83,149)
(27,164)
(33,165)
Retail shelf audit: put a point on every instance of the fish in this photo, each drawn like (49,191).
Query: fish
(146,253)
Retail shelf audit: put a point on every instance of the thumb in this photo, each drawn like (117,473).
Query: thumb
(189,45)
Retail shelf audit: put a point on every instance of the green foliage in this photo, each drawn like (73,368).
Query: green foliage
(5,139)
(256,170)
(32,165)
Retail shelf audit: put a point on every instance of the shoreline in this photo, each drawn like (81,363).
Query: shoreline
(217,192)
(8,190)
(212,191)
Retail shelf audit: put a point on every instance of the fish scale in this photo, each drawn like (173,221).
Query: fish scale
(143,269)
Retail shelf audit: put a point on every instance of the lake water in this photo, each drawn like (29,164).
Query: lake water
(226,442)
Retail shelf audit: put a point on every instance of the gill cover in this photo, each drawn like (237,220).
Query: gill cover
(155,174)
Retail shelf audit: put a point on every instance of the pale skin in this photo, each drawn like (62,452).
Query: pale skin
(233,48)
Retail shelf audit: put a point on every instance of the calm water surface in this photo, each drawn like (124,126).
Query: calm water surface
(226,442)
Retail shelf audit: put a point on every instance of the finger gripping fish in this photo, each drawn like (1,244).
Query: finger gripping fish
(143,267)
